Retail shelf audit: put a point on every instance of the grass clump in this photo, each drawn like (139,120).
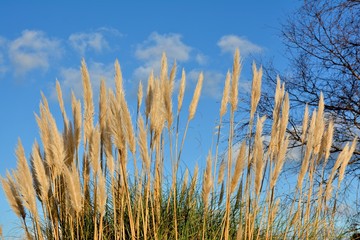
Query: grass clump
(80,184)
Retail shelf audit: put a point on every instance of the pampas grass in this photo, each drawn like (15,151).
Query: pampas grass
(88,102)
(195,99)
(83,191)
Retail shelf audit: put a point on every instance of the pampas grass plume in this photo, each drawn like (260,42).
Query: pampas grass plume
(225,96)
(235,81)
(181,90)
(195,99)
(88,102)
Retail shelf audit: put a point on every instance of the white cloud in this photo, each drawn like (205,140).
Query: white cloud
(3,68)
(150,52)
(229,43)
(70,78)
(33,50)
(83,42)
(110,31)
(156,44)
(2,41)
(213,82)
(201,59)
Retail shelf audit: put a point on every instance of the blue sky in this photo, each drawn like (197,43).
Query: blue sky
(44,41)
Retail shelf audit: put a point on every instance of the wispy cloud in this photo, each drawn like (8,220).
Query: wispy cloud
(2,42)
(85,41)
(110,31)
(150,52)
(3,68)
(201,59)
(33,50)
(229,43)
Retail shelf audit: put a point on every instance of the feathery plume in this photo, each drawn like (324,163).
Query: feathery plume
(142,140)
(128,127)
(102,109)
(329,139)
(44,130)
(157,112)
(108,143)
(305,123)
(195,99)
(73,188)
(69,144)
(340,159)
(61,102)
(57,146)
(101,196)
(45,102)
(309,146)
(235,81)
(13,196)
(319,125)
(239,167)
(225,96)
(279,94)
(163,68)
(24,180)
(207,182)
(149,94)
(94,149)
(340,164)
(255,89)
(125,114)
(168,87)
(258,154)
(172,75)
(181,90)
(40,172)
(346,160)
(76,111)
(118,81)
(139,95)
(116,124)
(279,162)
(284,119)
(88,102)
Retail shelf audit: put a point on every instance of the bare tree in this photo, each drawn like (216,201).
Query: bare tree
(322,41)
(323,47)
